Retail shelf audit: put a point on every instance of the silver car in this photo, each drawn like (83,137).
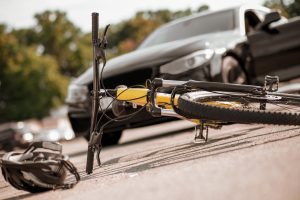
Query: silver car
(205,46)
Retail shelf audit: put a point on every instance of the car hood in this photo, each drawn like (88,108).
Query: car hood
(141,58)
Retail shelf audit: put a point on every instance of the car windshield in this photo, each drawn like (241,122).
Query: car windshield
(209,23)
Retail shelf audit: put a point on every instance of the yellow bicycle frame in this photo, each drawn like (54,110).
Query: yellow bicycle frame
(139,96)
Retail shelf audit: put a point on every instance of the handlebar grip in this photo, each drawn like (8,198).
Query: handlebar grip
(89,161)
(95,26)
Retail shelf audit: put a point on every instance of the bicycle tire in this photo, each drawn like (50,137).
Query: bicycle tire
(192,105)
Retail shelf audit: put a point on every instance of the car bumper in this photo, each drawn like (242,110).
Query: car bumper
(80,121)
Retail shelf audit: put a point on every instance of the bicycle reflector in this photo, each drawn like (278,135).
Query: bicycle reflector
(38,170)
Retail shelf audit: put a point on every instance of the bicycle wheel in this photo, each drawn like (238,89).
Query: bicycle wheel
(240,107)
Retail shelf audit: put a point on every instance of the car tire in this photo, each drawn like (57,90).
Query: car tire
(232,72)
(108,139)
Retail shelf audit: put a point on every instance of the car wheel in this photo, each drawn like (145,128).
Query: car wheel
(108,139)
(232,72)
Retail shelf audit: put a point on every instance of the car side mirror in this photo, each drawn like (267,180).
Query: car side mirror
(269,18)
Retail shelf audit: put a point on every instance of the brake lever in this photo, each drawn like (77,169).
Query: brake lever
(101,46)
(104,40)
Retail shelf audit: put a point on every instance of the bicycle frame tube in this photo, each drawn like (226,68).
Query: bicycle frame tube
(134,95)
(139,96)
(210,86)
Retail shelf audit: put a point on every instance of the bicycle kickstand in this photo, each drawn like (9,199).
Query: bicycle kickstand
(199,133)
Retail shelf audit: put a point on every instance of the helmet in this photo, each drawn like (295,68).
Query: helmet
(38,171)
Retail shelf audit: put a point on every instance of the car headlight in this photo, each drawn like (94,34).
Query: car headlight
(77,93)
(52,135)
(188,62)
(27,137)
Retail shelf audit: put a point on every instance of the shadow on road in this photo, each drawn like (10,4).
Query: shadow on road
(141,161)
(189,151)
(153,137)
(22,196)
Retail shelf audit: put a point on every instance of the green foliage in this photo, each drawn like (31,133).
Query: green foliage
(59,38)
(203,8)
(288,9)
(55,35)
(30,84)
(26,37)
(2,28)
(294,8)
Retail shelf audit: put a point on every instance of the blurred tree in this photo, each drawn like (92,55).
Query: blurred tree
(277,5)
(59,37)
(30,84)
(203,8)
(294,8)
(26,36)
(287,8)
(2,28)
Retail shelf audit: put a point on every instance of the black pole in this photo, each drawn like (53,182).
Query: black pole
(99,45)
(95,105)
(95,93)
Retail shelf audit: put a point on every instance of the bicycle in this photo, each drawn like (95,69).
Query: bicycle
(207,104)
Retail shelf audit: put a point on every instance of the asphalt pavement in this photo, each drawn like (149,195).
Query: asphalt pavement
(162,162)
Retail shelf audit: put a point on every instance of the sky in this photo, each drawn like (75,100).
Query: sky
(20,13)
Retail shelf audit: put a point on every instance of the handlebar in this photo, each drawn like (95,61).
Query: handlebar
(95,26)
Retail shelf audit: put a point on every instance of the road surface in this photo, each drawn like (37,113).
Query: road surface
(160,162)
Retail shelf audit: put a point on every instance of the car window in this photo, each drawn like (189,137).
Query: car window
(209,23)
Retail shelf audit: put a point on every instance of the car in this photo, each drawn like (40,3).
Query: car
(21,134)
(14,134)
(206,46)
(7,137)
